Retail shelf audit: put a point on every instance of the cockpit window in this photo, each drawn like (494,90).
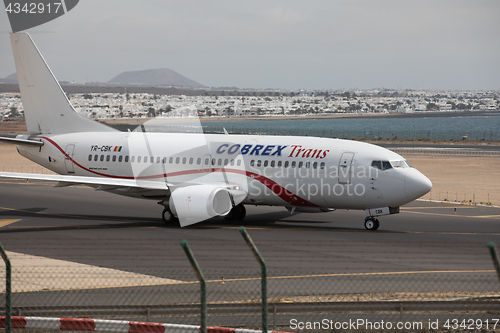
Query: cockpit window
(382,165)
(397,164)
(386,165)
(400,164)
(377,164)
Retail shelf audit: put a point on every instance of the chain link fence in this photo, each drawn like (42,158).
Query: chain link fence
(295,300)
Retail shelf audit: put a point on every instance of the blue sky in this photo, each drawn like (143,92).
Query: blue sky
(320,44)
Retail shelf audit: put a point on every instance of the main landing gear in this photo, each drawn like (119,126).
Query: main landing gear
(168,217)
(237,213)
(371,223)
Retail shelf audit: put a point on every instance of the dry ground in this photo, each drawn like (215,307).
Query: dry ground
(459,178)
(456,178)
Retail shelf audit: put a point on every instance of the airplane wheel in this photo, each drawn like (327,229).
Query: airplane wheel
(168,217)
(237,213)
(371,223)
(240,212)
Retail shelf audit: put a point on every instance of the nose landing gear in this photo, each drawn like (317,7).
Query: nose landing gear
(371,223)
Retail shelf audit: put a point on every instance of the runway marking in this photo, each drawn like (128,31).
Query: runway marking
(28,183)
(3,223)
(439,207)
(218,281)
(496,217)
(356,274)
(43,183)
(70,216)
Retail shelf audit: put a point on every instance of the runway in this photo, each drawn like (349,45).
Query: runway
(75,248)
(95,228)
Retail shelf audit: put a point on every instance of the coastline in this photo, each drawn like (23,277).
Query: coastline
(12,128)
(423,114)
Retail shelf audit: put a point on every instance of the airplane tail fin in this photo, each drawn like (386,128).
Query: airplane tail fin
(46,108)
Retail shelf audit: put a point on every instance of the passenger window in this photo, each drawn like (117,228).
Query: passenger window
(145,159)
(184,160)
(120,158)
(90,157)
(322,165)
(96,157)
(213,161)
(286,164)
(308,165)
(171,160)
(272,164)
(232,162)
(198,161)
(258,163)
(300,164)
(126,159)
(102,158)
(132,159)
(220,161)
(238,163)
(191,160)
(206,161)
(279,164)
(315,165)
(252,163)
(226,161)
(138,159)
(164,160)
(114,158)
(266,162)
(293,164)
(158,159)
(177,160)
(377,164)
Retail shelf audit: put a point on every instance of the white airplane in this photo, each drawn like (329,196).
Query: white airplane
(199,176)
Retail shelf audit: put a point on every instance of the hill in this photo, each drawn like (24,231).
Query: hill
(12,78)
(155,77)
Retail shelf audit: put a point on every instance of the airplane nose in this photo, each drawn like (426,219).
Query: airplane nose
(416,184)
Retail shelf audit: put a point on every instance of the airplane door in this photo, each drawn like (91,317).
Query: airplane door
(345,168)
(68,159)
(206,163)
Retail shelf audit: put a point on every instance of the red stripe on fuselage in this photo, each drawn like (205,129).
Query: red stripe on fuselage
(276,188)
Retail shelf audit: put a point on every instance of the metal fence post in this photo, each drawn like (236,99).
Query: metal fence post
(494,256)
(263,267)
(203,285)
(8,291)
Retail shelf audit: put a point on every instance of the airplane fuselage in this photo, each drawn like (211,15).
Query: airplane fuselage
(286,171)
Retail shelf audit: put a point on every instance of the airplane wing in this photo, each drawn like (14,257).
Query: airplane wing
(104,184)
(192,204)
(18,141)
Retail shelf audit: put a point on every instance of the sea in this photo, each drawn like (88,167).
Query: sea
(485,127)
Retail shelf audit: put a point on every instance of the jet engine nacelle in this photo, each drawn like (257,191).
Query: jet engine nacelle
(192,204)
